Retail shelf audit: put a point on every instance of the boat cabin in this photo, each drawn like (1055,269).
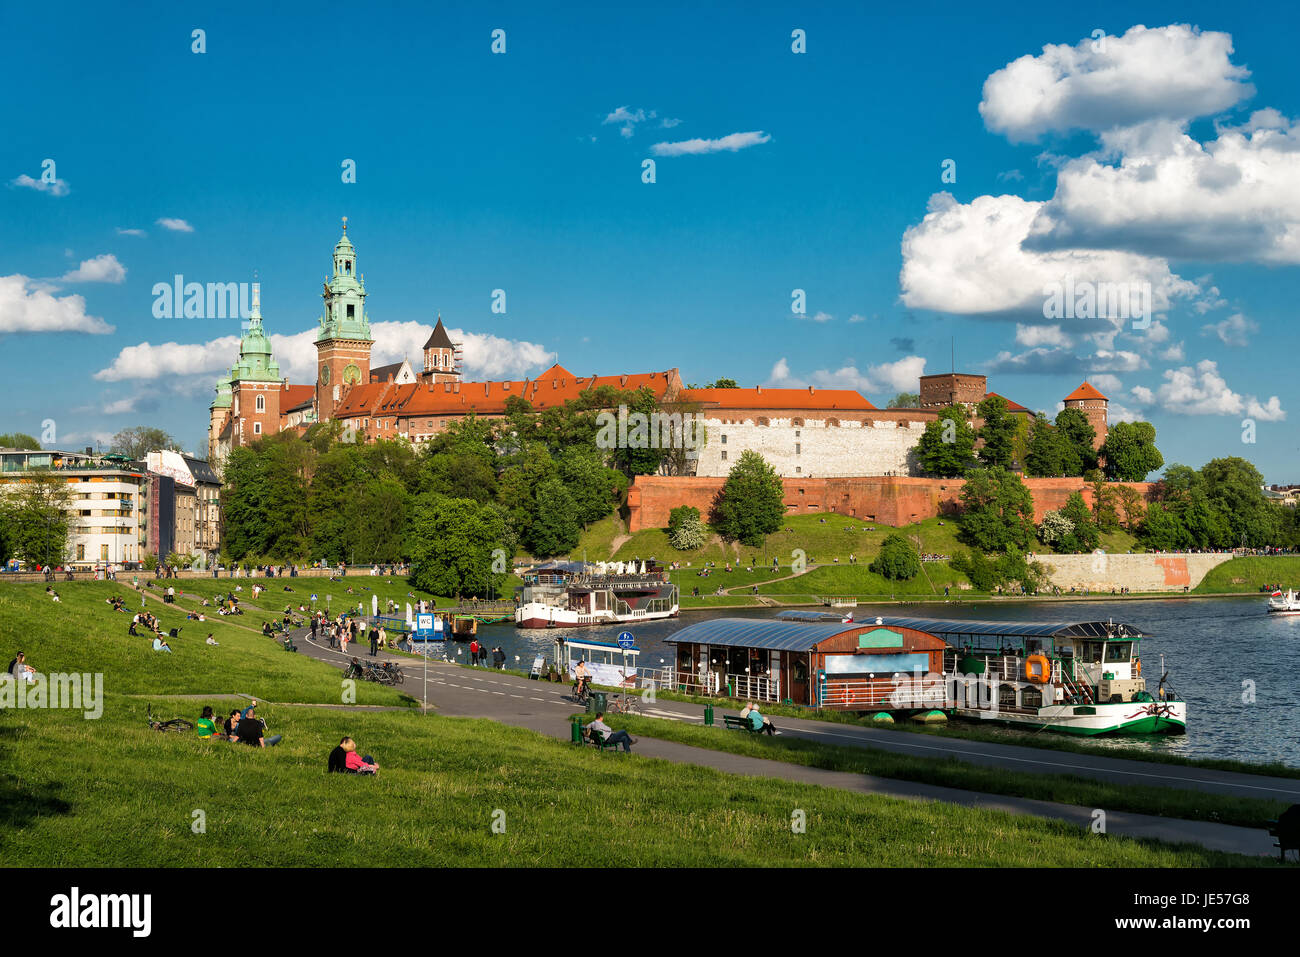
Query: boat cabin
(609,663)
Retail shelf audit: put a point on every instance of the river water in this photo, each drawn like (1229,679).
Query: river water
(1237,667)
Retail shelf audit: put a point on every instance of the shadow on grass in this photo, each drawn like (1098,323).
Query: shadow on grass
(20,803)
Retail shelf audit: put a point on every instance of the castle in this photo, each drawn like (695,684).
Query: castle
(803,433)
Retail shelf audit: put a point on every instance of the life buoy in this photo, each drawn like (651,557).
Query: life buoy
(1038,669)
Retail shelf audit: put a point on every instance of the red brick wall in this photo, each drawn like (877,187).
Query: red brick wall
(886,500)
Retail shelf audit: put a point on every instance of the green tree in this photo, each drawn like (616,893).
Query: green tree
(898,560)
(36,518)
(1054,528)
(998,431)
(997,511)
(18,440)
(904,400)
(1049,455)
(1162,530)
(597,490)
(451,543)
(751,504)
(136,441)
(686,530)
(946,447)
(1130,452)
(1083,537)
(1105,506)
(1079,434)
(553,528)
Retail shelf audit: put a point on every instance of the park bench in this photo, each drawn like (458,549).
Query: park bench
(596,739)
(736,722)
(1287,830)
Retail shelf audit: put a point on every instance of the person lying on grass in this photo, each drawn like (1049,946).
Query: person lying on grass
(344,759)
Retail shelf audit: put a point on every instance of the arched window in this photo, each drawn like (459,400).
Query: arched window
(261,403)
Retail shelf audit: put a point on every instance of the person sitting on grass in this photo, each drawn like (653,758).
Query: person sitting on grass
(230,724)
(160,644)
(252,730)
(211,640)
(345,760)
(207,726)
(609,734)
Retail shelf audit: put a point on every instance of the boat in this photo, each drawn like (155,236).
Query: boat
(610,664)
(1284,603)
(571,594)
(464,627)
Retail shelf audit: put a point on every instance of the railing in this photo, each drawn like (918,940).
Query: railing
(711,683)
(864,694)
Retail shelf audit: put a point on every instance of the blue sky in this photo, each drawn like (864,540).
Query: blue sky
(1164,156)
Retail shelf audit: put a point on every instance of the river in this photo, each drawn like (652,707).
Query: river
(1217,652)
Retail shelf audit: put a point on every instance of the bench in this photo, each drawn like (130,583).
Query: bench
(1287,830)
(596,739)
(736,722)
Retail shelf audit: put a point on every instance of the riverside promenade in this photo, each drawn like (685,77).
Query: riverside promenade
(544,707)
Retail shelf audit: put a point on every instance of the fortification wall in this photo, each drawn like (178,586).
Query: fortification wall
(1158,571)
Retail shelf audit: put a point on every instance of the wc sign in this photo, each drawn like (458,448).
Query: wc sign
(424,625)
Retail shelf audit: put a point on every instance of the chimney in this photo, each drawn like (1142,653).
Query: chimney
(456,388)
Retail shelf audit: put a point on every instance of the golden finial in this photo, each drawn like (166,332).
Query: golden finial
(345,224)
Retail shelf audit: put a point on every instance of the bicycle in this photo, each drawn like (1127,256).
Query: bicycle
(175,724)
(626,704)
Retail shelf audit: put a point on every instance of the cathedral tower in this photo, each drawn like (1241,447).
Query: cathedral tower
(343,343)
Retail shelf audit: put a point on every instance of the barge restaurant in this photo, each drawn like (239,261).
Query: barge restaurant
(1084,677)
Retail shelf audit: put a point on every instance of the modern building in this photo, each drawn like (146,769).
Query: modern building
(184,506)
(106,508)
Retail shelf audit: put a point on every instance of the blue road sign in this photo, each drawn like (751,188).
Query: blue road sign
(625,639)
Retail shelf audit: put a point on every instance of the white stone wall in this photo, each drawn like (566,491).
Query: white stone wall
(1149,571)
(824,450)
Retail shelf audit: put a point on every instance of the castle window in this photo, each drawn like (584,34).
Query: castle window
(797,448)
(724,455)
(257,428)
(724,440)
(261,403)
(351,310)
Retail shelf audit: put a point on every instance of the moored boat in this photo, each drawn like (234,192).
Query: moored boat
(1284,603)
(570,594)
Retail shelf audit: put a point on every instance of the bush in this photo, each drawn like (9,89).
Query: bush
(898,560)
(688,534)
(1054,528)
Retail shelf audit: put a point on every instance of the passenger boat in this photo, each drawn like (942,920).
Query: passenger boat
(570,594)
(608,663)
(1280,603)
(1082,677)
(464,627)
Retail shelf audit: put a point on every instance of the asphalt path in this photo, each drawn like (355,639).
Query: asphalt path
(545,707)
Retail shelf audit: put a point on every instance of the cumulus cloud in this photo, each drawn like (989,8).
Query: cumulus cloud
(27,306)
(1236,330)
(57,188)
(627,119)
(1063,361)
(175,225)
(732,143)
(103,268)
(1201,390)
(1041,336)
(969,259)
(1107,383)
(887,377)
(1176,72)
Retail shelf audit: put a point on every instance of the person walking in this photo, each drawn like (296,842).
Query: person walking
(374,640)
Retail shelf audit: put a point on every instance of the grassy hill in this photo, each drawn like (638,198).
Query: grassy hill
(77,792)
(1249,574)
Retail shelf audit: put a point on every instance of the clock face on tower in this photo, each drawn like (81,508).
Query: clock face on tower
(324,375)
(351,374)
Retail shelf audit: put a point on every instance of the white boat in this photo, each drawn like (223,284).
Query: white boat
(570,594)
(607,663)
(1284,603)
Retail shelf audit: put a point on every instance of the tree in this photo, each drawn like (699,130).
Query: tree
(1079,434)
(998,432)
(1161,529)
(1129,506)
(451,543)
(1083,537)
(947,445)
(1235,489)
(136,442)
(1105,506)
(898,560)
(36,518)
(1130,452)
(904,400)
(553,528)
(997,510)
(1049,455)
(717,384)
(751,504)
(686,530)
(596,490)
(1054,528)
(18,440)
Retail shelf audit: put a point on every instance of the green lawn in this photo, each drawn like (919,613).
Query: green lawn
(1248,574)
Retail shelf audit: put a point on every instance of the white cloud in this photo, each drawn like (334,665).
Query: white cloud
(969,259)
(57,188)
(1176,72)
(887,377)
(1115,412)
(26,306)
(130,232)
(857,317)
(731,142)
(1236,330)
(1106,383)
(1143,395)
(1175,353)
(103,268)
(175,225)
(627,120)
(819,317)
(1201,390)
(1041,336)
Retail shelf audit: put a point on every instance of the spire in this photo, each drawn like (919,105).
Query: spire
(256,311)
(439,339)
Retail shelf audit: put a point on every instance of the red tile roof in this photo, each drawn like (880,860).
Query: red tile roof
(763,398)
(1011,406)
(295,396)
(1085,391)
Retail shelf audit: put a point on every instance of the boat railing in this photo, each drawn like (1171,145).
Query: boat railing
(864,694)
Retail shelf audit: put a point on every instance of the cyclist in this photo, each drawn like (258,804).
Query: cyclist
(581,680)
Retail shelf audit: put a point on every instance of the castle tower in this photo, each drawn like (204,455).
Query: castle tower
(1088,400)
(218,415)
(255,383)
(343,343)
(440,357)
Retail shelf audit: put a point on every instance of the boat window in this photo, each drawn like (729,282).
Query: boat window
(1118,651)
(1091,651)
